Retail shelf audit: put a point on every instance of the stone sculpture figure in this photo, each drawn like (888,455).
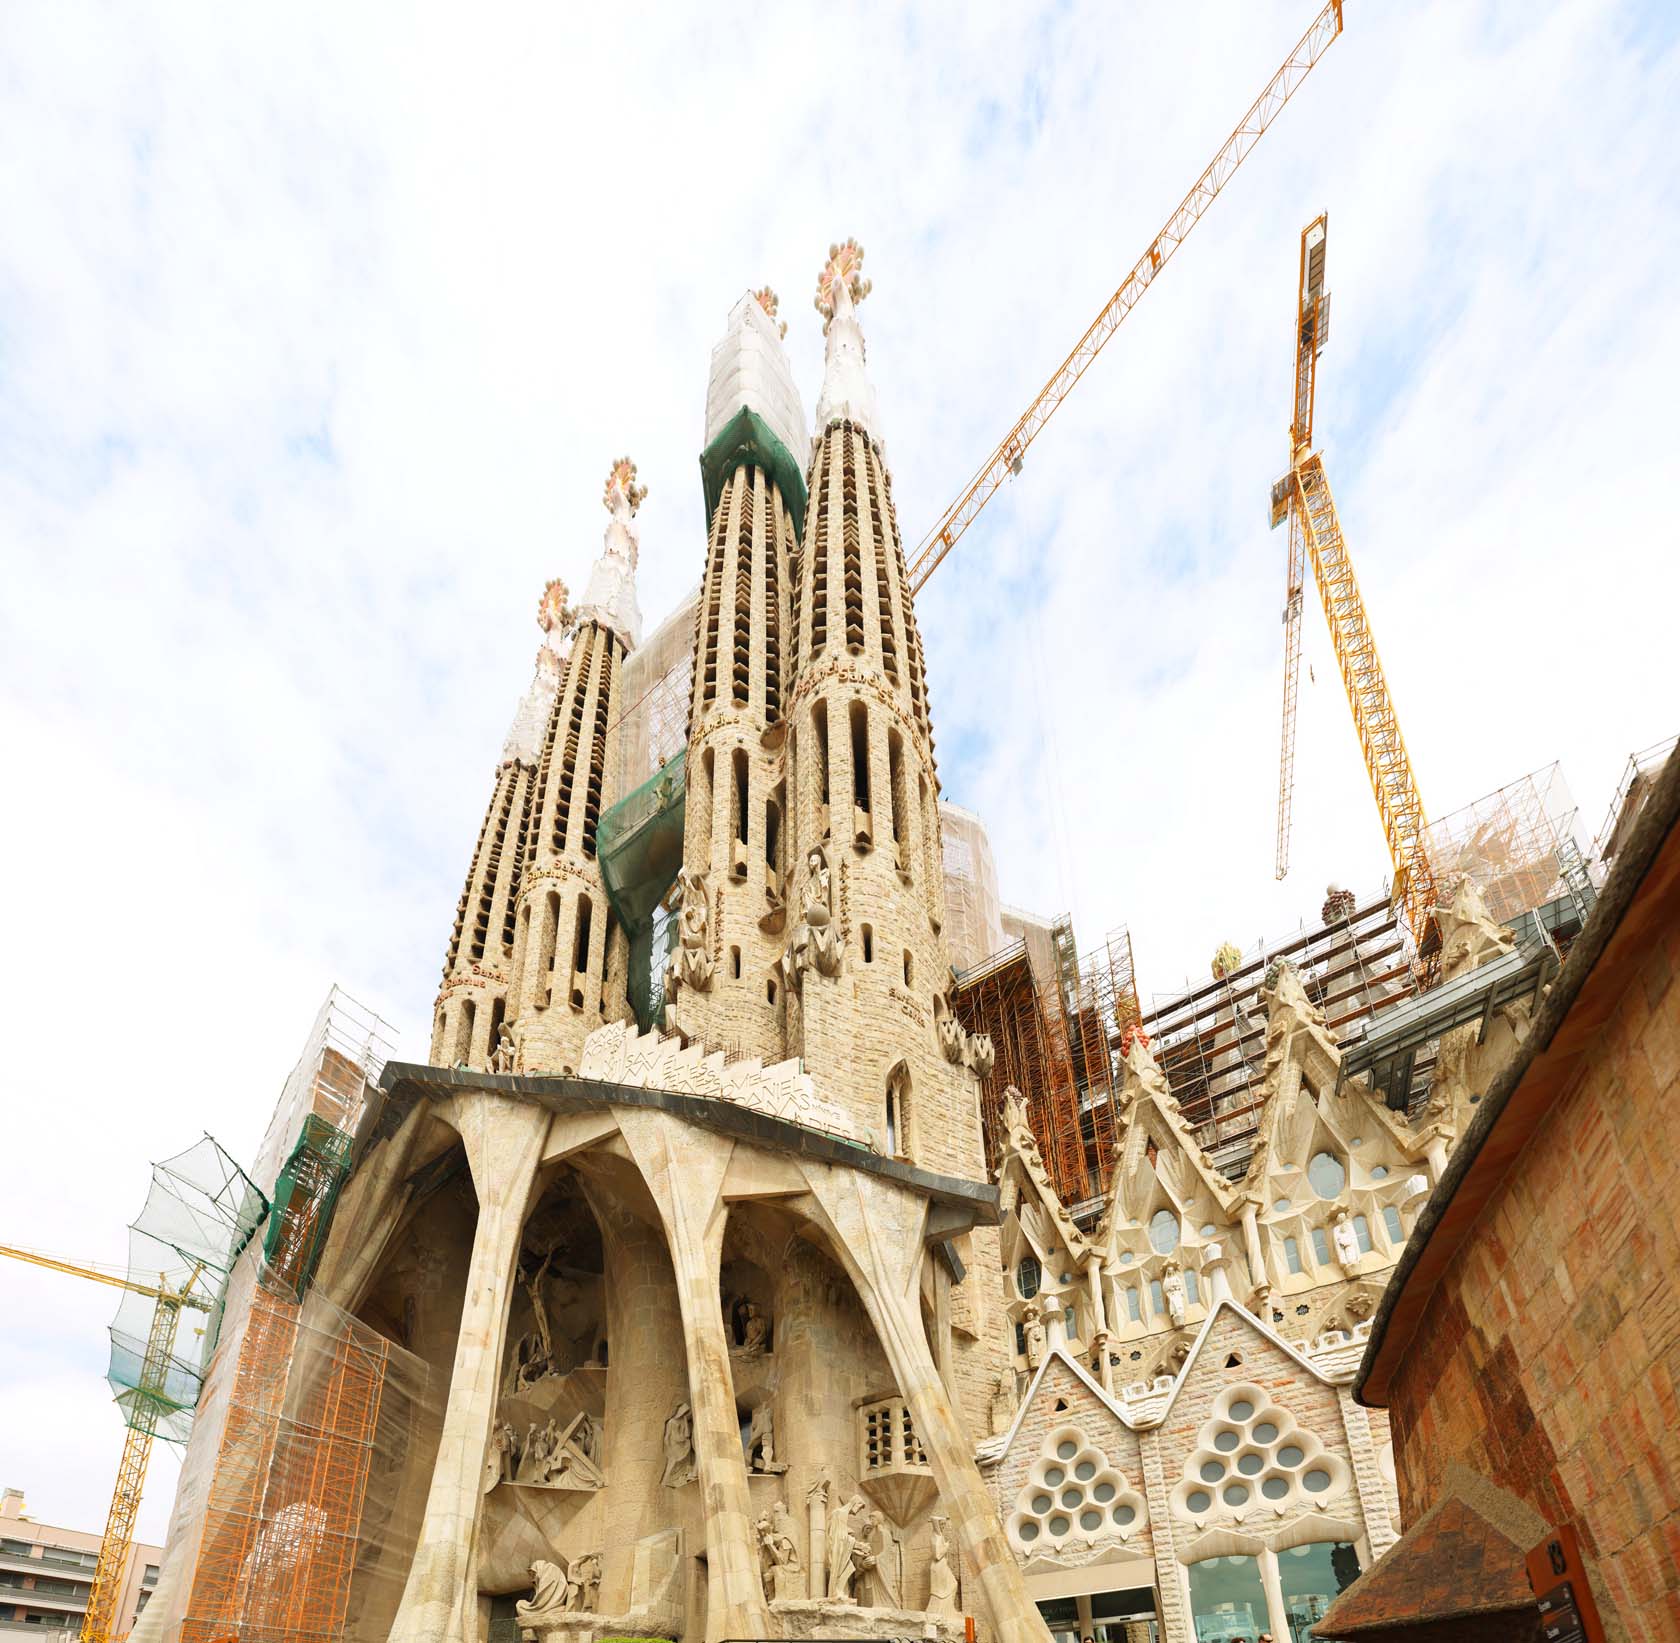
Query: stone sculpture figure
(779,1566)
(877,1562)
(1033,1328)
(691,965)
(679,1448)
(1345,1240)
(942,1578)
(753,1331)
(586,1577)
(843,1548)
(504,1058)
(499,1459)
(761,1445)
(1172,1289)
(551,1594)
(815,943)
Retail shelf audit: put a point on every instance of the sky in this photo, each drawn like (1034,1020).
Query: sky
(320,327)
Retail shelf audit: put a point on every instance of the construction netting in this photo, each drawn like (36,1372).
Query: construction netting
(199,1215)
(652,726)
(305,1196)
(1639,776)
(639,846)
(973,916)
(300,1501)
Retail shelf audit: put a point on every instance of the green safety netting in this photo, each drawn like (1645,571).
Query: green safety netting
(199,1215)
(305,1196)
(746,437)
(639,846)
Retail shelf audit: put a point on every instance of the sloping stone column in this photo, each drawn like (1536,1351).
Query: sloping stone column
(503,1137)
(877,1232)
(1169,1575)
(684,1169)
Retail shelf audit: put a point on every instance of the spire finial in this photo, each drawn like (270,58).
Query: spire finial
(770,303)
(621,483)
(841,282)
(554,613)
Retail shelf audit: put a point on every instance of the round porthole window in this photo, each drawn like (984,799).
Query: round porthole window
(1241,1409)
(1226,1442)
(1054,1476)
(1163,1232)
(1379,1172)
(1212,1471)
(1209,1230)
(1198,1500)
(1250,1465)
(1125,1516)
(1265,1432)
(1327,1174)
(1042,1503)
(1059,1525)
(1085,1471)
(1090,1521)
(1275,1488)
(1072,1497)
(1317,1481)
(1290,1455)
(1236,1494)
(1104,1492)
(1067,1449)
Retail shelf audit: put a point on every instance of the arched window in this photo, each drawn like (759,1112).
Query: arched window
(898,1111)
(1163,1232)
(1327,1174)
(1391,1220)
(1028,1276)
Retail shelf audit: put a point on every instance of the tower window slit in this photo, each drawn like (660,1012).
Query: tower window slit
(545,959)
(772,604)
(735,963)
(740,813)
(583,656)
(580,949)
(742,673)
(464,1032)
(819,727)
(883,587)
(714,582)
(702,799)
(598,744)
(819,554)
(859,716)
(868,945)
(526,788)
(850,540)
(895,783)
(773,830)
(607,955)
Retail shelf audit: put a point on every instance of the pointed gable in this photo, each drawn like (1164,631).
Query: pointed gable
(1035,1221)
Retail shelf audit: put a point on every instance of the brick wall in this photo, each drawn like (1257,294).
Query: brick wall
(1549,1357)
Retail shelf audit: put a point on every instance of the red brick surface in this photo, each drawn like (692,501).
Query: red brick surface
(1549,1355)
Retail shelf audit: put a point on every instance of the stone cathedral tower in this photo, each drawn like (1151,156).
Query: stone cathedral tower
(542,963)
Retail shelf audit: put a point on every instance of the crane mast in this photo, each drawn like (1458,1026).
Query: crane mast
(1303,496)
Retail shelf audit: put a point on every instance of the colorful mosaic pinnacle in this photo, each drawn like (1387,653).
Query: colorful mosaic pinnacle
(770,303)
(842,272)
(621,481)
(554,613)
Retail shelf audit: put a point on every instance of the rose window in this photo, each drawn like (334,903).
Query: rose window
(1074,1495)
(1253,1456)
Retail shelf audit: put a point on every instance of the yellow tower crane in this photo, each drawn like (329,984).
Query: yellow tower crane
(1302,496)
(148,1399)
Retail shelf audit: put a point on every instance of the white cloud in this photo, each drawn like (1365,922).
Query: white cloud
(319,327)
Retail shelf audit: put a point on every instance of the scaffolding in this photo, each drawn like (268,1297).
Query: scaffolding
(1519,847)
(973,914)
(1638,778)
(1210,1040)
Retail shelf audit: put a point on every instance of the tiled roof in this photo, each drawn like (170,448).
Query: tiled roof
(1451,1564)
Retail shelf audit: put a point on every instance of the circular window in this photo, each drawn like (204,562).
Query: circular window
(1265,1432)
(1059,1525)
(1028,1276)
(1212,1471)
(1028,1530)
(1275,1488)
(1067,1449)
(1281,1206)
(1327,1174)
(1125,1515)
(1104,1492)
(1042,1503)
(1241,1409)
(1250,1465)
(1236,1494)
(1317,1481)
(1054,1476)
(1125,1257)
(1163,1232)
(1357,1141)
(1198,1500)
(1209,1230)
(1085,1470)
(1379,1172)
(1225,1442)
(1072,1497)
(1090,1521)
(1067,1278)
(1290,1455)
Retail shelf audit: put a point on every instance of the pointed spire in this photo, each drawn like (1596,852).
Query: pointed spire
(525,734)
(847,393)
(771,303)
(610,598)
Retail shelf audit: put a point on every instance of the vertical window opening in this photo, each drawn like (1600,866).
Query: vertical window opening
(545,962)
(868,945)
(735,962)
(738,762)
(744,585)
(853,547)
(463,1039)
(580,960)
(819,553)
(859,715)
(819,724)
(498,1013)
(773,830)
(770,989)
(908,968)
